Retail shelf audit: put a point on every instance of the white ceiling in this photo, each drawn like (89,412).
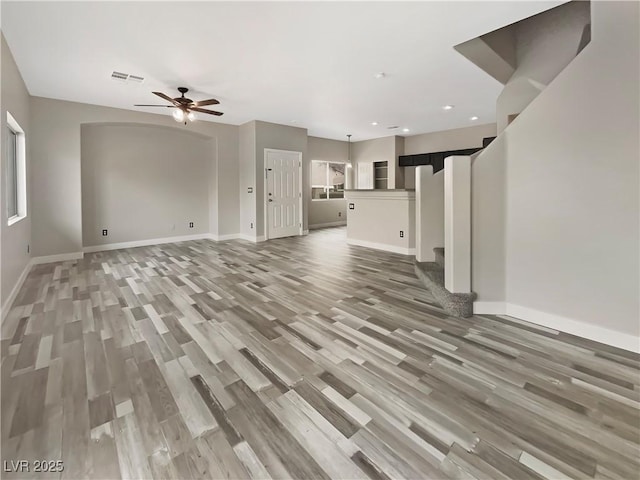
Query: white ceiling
(295,63)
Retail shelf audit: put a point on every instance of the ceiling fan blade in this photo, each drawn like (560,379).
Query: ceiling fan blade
(164,106)
(202,103)
(202,110)
(167,98)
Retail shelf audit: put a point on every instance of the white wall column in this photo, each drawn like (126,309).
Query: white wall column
(429,212)
(457,224)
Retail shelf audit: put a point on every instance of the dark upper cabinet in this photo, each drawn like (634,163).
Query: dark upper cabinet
(436,158)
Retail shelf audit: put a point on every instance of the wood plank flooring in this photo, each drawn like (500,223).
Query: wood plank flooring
(296,358)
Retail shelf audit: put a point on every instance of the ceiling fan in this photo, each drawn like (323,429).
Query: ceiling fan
(185,106)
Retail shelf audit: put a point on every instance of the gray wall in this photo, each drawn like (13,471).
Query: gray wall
(280,137)
(385,149)
(15,238)
(459,138)
(544,45)
(570,187)
(56,154)
(247,178)
(142,182)
(326,211)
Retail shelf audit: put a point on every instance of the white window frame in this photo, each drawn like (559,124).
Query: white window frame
(327,181)
(20,171)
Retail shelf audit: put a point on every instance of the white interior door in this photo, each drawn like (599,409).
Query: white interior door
(283,193)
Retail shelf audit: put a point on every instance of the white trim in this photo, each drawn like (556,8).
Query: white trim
(457,224)
(146,243)
(14,292)
(380,194)
(382,246)
(21,170)
(559,323)
(250,238)
(61,257)
(325,225)
(222,238)
(491,308)
(266,194)
(15,219)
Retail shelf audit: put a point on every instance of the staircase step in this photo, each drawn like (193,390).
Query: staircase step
(439,256)
(454,304)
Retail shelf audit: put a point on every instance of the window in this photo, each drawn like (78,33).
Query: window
(327,180)
(16,172)
(12,174)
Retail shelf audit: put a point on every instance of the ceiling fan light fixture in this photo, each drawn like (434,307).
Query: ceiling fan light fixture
(185,108)
(178,115)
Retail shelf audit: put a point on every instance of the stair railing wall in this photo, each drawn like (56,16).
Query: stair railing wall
(429,212)
(457,224)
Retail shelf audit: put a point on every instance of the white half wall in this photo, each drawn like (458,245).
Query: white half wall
(429,212)
(378,217)
(559,190)
(457,224)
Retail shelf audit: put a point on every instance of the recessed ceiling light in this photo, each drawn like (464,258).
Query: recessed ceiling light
(374,123)
(405,130)
(473,118)
(447,107)
(380,75)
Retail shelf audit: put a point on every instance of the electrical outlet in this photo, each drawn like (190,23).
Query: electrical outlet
(251,225)
(249,189)
(190,224)
(104,232)
(352,206)
(401,234)
(339,214)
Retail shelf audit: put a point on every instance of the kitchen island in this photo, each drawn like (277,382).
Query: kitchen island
(382,219)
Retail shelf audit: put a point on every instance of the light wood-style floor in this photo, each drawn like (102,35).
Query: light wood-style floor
(296,358)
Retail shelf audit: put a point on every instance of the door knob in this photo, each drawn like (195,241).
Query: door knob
(271,200)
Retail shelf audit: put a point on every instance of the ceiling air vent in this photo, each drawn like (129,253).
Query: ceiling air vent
(135,79)
(119,76)
(125,77)
(393,127)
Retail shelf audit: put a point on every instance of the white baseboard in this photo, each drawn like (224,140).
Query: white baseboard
(305,232)
(146,243)
(61,257)
(559,323)
(249,238)
(14,292)
(382,246)
(490,308)
(224,238)
(326,225)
